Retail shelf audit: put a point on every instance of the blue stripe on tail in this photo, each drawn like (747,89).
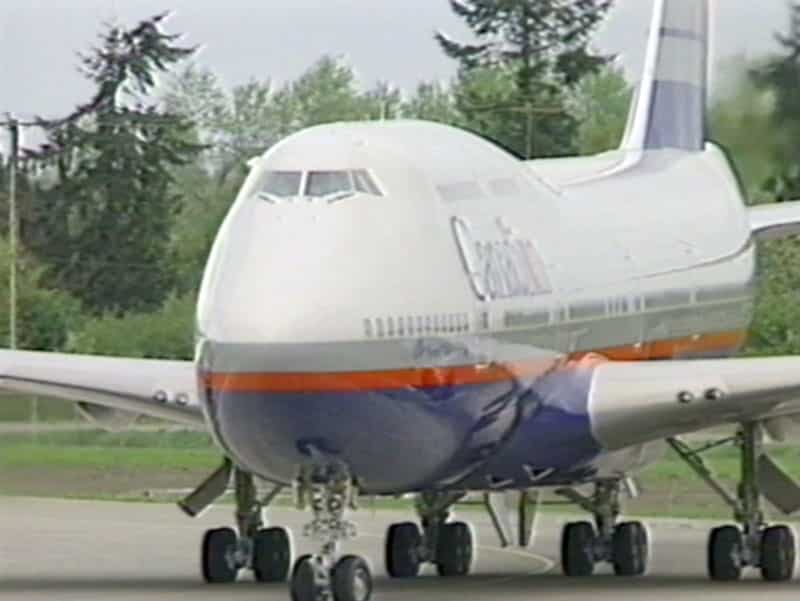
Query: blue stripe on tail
(678,117)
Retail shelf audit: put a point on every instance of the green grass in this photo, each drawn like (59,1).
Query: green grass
(166,450)
(160,441)
(30,456)
(725,462)
(121,466)
(19,409)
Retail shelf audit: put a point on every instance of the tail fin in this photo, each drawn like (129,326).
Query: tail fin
(669,110)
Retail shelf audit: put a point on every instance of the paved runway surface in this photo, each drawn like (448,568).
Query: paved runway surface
(120,552)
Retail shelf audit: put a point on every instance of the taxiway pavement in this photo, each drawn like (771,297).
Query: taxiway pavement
(52,549)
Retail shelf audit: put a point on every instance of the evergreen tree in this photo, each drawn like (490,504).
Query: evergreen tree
(775,329)
(325,93)
(104,228)
(601,103)
(433,102)
(780,76)
(541,46)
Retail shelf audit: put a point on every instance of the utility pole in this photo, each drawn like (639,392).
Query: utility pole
(529,130)
(13,129)
(13,234)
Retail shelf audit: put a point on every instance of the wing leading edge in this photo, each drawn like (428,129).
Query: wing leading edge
(162,389)
(634,403)
(775,221)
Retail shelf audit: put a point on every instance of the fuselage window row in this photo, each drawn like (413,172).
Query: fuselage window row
(416,325)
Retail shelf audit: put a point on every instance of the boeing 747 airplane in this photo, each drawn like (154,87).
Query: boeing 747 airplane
(403,308)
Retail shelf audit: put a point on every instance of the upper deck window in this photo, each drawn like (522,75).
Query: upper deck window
(504,187)
(460,191)
(281,184)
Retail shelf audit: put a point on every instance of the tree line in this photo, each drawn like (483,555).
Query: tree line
(118,209)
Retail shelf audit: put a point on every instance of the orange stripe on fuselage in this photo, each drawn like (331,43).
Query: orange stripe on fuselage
(433,377)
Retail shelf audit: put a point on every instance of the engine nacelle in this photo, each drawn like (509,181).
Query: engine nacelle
(111,420)
(783,429)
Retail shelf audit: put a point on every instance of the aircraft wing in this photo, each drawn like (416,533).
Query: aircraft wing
(162,389)
(775,221)
(634,403)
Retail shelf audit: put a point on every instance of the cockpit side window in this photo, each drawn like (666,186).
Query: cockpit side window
(364,183)
(282,184)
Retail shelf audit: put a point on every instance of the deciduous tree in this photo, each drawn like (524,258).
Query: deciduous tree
(539,48)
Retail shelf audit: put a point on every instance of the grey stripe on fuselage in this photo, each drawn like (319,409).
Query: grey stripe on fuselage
(545,342)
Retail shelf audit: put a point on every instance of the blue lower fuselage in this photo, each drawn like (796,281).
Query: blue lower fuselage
(477,436)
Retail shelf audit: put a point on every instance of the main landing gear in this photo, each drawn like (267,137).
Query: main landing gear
(447,545)
(750,543)
(266,551)
(625,545)
(325,576)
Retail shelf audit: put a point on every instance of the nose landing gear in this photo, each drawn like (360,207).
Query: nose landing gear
(324,576)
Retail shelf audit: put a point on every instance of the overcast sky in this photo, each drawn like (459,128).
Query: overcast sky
(243,39)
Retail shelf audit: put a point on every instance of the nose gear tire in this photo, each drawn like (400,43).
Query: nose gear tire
(351,580)
(303,585)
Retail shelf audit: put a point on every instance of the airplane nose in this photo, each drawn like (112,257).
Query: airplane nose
(290,373)
(278,276)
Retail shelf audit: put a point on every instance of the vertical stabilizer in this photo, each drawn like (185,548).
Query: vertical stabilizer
(669,109)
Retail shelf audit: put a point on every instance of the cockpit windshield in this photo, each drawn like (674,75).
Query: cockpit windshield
(282,184)
(327,185)
(336,185)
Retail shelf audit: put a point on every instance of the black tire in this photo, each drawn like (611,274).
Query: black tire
(403,542)
(577,549)
(454,550)
(219,545)
(725,554)
(351,580)
(303,586)
(272,555)
(778,554)
(631,549)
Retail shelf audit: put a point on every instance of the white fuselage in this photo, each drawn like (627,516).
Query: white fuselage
(468,261)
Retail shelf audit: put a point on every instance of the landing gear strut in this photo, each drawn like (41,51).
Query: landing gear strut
(266,551)
(583,544)
(448,545)
(324,576)
(751,543)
